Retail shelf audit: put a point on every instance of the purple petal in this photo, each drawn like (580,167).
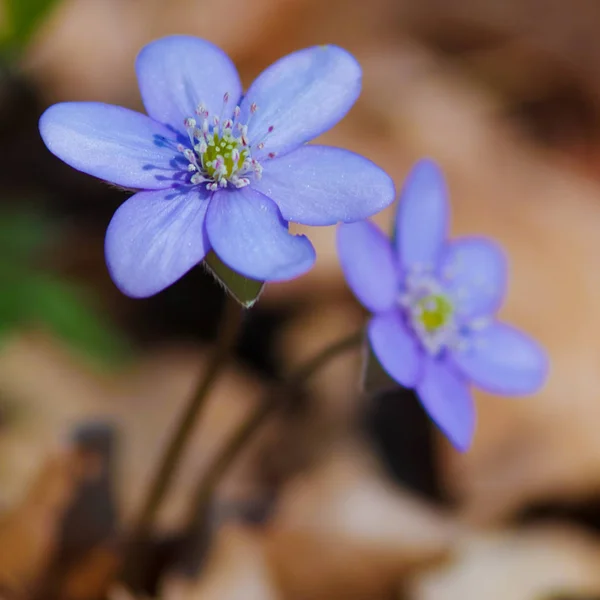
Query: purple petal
(112,143)
(503,360)
(154,238)
(446,397)
(179,72)
(318,185)
(301,96)
(474,272)
(423,217)
(395,348)
(369,264)
(248,234)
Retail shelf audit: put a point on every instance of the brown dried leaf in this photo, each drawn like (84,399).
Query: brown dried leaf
(118,592)
(342,530)
(29,532)
(540,562)
(91,578)
(237,569)
(346,495)
(144,403)
(307,564)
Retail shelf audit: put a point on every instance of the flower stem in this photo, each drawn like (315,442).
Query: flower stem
(246,431)
(228,332)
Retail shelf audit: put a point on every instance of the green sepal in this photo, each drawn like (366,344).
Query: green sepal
(246,291)
(374,378)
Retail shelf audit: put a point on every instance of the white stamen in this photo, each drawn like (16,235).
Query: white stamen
(422,294)
(220,153)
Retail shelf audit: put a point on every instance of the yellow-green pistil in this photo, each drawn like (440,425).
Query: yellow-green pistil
(435,311)
(224,156)
(218,158)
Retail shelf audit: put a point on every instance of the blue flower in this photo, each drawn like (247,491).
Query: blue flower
(218,170)
(434,302)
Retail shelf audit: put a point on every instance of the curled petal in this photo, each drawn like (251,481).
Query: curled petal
(474,272)
(446,397)
(248,234)
(503,360)
(113,143)
(179,72)
(301,96)
(369,264)
(423,217)
(395,348)
(318,185)
(154,238)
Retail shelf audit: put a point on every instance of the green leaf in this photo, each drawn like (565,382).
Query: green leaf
(29,296)
(12,307)
(245,291)
(21,234)
(22,18)
(64,310)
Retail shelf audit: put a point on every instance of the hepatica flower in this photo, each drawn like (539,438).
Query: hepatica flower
(215,169)
(434,302)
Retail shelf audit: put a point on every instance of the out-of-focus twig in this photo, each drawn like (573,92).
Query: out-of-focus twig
(248,428)
(231,323)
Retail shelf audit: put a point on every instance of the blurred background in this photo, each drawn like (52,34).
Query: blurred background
(343,494)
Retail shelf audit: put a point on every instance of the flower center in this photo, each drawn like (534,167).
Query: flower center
(429,313)
(436,311)
(223,156)
(220,153)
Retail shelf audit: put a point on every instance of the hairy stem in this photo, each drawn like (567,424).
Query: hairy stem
(249,427)
(167,466)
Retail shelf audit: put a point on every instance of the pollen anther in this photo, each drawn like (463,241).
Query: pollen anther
(221,153)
